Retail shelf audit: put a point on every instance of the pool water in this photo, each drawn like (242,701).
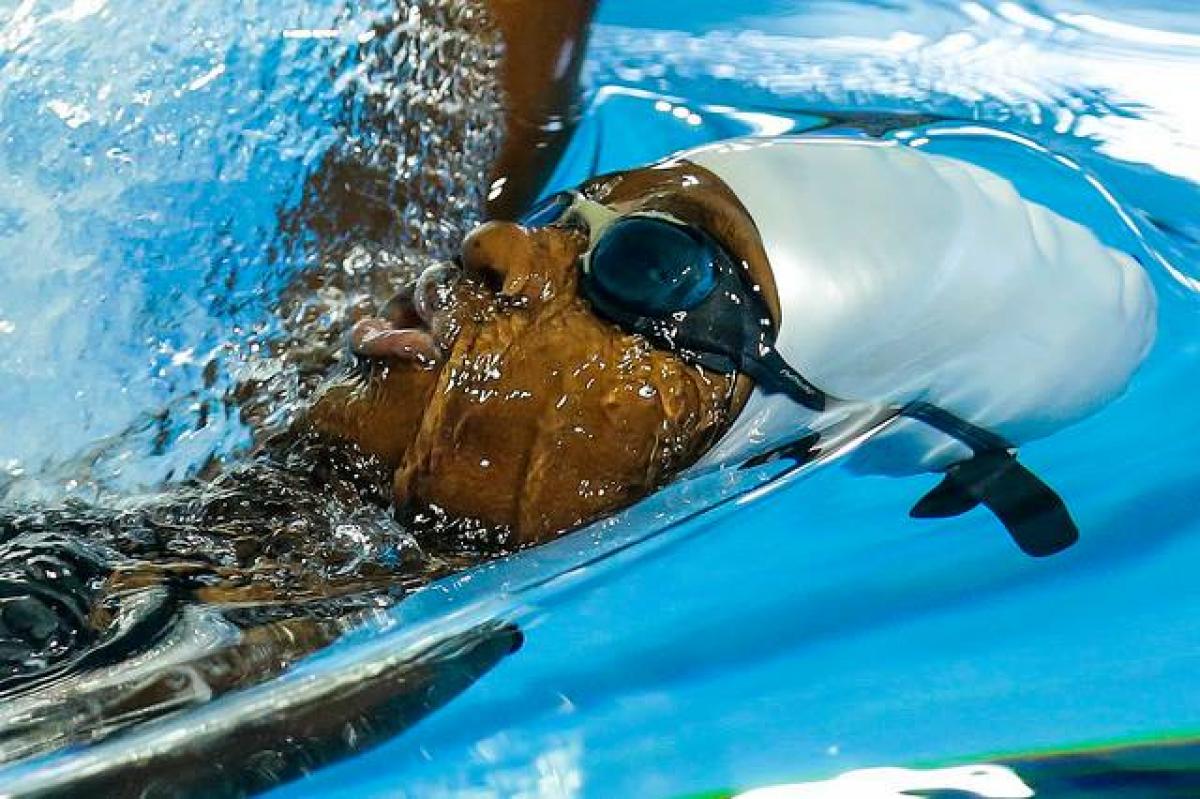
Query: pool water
(738,630)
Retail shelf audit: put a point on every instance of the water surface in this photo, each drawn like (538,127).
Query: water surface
(798,632)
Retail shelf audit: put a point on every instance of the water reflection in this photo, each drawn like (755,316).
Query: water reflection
(1122,85)
(274,739)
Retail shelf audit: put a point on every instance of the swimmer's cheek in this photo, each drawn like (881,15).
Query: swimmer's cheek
(542,473)
(614,452)
(578,475)
(466,461)
(382,418)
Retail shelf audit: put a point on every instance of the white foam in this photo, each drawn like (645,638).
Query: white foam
(986,781)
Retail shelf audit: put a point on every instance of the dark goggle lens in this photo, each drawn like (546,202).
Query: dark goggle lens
(548,211)
(653,267)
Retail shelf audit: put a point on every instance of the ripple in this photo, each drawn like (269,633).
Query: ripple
(1126,87)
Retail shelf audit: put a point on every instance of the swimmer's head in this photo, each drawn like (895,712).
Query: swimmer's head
(584,357)
(500,391)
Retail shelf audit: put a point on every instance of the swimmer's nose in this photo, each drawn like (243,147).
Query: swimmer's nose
(495,250)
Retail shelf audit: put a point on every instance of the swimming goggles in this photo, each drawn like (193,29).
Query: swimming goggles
(671,282)
(659,277)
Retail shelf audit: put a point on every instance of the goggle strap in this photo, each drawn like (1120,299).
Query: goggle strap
(1033,513)
(978,439)
(772,373)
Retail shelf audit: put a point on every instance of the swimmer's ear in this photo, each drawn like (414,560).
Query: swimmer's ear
(1032,512)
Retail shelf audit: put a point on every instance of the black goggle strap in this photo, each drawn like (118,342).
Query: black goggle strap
(772,373)
(735,313)
(978,439)
(1032,512)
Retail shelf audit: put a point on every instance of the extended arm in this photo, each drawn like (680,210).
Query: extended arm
(544,48)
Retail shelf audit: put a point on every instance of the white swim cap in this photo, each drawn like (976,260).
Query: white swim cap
(906,276)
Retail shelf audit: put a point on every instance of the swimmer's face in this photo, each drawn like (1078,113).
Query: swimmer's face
(498,394)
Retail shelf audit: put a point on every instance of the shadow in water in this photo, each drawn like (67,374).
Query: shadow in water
(274,741)
(1163,770)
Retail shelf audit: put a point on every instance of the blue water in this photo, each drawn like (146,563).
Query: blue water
(794,633)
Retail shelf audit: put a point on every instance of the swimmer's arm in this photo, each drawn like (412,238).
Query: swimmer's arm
(544,47)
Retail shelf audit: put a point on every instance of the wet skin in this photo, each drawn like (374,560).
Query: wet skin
(259,533)
(544,49)
(497,394)
(491,391)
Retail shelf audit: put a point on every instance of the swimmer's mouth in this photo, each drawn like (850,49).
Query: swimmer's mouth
(413,328)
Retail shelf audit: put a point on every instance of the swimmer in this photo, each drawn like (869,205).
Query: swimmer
(298,535)
(739,302)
